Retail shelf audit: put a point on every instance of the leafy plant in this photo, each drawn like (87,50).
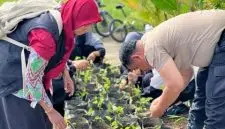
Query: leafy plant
(115,124)
(99,101)
(133,127)
(106,104)
(109,118)
(90,112)
(98,118)
(107,83)
(82,93)
(156,11)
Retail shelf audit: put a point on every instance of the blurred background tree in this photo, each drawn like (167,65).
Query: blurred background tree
(2,1)
(157,11)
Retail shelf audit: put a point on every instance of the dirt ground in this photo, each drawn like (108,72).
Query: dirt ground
(112,50)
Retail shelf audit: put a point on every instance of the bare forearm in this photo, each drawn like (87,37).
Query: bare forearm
(174,82)
(97,53)
(187,75)
(172,91)
(47,108)
(168,97)
(65,72)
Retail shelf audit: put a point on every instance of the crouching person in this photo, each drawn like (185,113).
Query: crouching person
(151,84)
(87,45)
(172,48)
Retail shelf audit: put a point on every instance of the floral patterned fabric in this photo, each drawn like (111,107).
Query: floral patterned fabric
(34,90)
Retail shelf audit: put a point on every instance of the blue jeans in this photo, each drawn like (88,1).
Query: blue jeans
(208,107)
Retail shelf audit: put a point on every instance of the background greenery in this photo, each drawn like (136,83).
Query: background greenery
(156,11)
(117,14)
(2,1)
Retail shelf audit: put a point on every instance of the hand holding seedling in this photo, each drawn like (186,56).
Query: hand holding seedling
(93,55)
(132,77)
(123,83)
(81,64)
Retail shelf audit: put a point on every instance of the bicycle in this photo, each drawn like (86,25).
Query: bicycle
(102,28)
(119,29)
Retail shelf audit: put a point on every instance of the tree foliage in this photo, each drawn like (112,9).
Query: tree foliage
(157,11)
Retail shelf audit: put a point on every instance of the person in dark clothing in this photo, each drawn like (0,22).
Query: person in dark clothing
(151,84)
(90,46)
(87,45)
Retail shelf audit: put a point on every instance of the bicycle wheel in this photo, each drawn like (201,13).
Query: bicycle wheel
(118,30)
(102,28)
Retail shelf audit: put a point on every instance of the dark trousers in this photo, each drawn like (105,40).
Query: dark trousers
(16,113)
(59,95)
(208,108)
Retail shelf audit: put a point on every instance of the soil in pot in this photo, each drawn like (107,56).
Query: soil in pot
(76,113)
(128,120)
(129,108)
(149,122)
(100,124)
(75,104)
(91,86)
(115,95)
(100,113)
(89,97)
(81,123)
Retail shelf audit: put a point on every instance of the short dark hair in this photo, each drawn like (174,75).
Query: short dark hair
(126,50)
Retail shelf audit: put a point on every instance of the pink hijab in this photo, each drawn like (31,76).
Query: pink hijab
(74,13)
(77,13)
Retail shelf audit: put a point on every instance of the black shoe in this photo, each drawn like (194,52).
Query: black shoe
(177,109)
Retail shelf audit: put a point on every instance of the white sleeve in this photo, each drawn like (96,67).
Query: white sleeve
(156,80)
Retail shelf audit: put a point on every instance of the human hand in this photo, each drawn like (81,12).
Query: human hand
(68,83)
(132,77)
(56,119)
(93,56)
(156,109)
(81,64)
(123,83)
(137,72)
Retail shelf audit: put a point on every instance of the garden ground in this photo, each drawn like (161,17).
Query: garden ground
(112,57)
(112,51)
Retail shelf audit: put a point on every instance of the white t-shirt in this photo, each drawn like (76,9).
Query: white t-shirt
(156,80)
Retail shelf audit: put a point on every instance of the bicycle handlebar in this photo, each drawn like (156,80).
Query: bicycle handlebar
(120,6)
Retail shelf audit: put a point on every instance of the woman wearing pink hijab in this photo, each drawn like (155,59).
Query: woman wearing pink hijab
(29,107)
